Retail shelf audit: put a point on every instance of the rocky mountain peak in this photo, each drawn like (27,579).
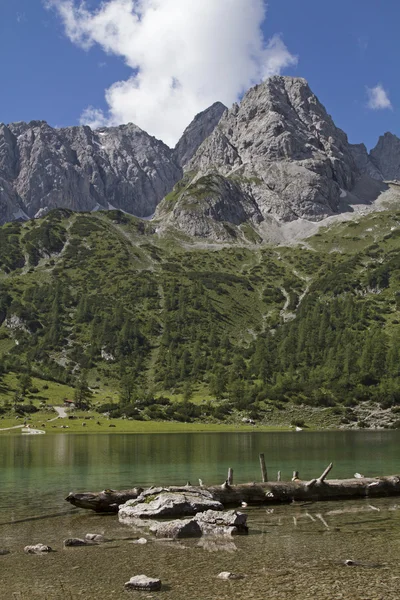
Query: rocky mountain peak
(281,142)
(386,156)
(199,129)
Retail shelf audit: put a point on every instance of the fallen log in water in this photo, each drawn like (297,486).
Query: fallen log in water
(272,492)
(107,501)
(275,492)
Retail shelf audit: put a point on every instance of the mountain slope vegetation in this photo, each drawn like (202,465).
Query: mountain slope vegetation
(102,298)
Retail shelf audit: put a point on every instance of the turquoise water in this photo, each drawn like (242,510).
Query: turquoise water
(41,470)
(294,551)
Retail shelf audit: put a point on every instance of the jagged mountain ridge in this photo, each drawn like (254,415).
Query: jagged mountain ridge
(42,168)
(277,156)
(383,162)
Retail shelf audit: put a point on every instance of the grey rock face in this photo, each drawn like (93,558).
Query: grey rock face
(194,135)
(123,167)
(364,162)
(43,168)
(386,156)
(282,143)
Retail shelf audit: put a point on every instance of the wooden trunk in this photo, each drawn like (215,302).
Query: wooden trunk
(273,492)
(107,501)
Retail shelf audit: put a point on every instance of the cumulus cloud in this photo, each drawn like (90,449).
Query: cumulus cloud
(378,98)
(184,55)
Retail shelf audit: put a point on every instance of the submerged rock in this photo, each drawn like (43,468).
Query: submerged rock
(181,528)
(72,542)
(208,523)
(215,544)
(229,575)
(37,549)
(95,537)
(141,541)
(142,582)
(230,522)
(3,552)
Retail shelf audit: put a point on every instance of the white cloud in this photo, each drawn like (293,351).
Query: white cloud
(378,98)
(184,55)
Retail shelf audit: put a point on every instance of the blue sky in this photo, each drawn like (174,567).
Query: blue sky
(342,48)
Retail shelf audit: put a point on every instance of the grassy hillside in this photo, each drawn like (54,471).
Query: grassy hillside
(171,330)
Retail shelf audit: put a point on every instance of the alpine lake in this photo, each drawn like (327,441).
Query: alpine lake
(295,551)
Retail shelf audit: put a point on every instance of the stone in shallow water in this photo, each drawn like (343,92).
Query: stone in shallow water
(229,575)
(3,552)
(183,528)
(229,522)
(71,542)
(37,549)
(142,582)
(95,537)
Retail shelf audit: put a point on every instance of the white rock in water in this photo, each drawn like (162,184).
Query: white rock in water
(95,537)
(142,582)
(229,575)
(37,549)
(140,541)
(164,503)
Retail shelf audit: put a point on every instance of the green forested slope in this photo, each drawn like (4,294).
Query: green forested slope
(101,296)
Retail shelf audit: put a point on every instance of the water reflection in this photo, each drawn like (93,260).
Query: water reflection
(40,471)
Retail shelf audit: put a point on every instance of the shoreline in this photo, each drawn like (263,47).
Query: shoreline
(167,427)
(148,427)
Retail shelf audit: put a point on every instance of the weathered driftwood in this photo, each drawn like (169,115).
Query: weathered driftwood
(105,501)
(264,475)
(273,492)
(230,476)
